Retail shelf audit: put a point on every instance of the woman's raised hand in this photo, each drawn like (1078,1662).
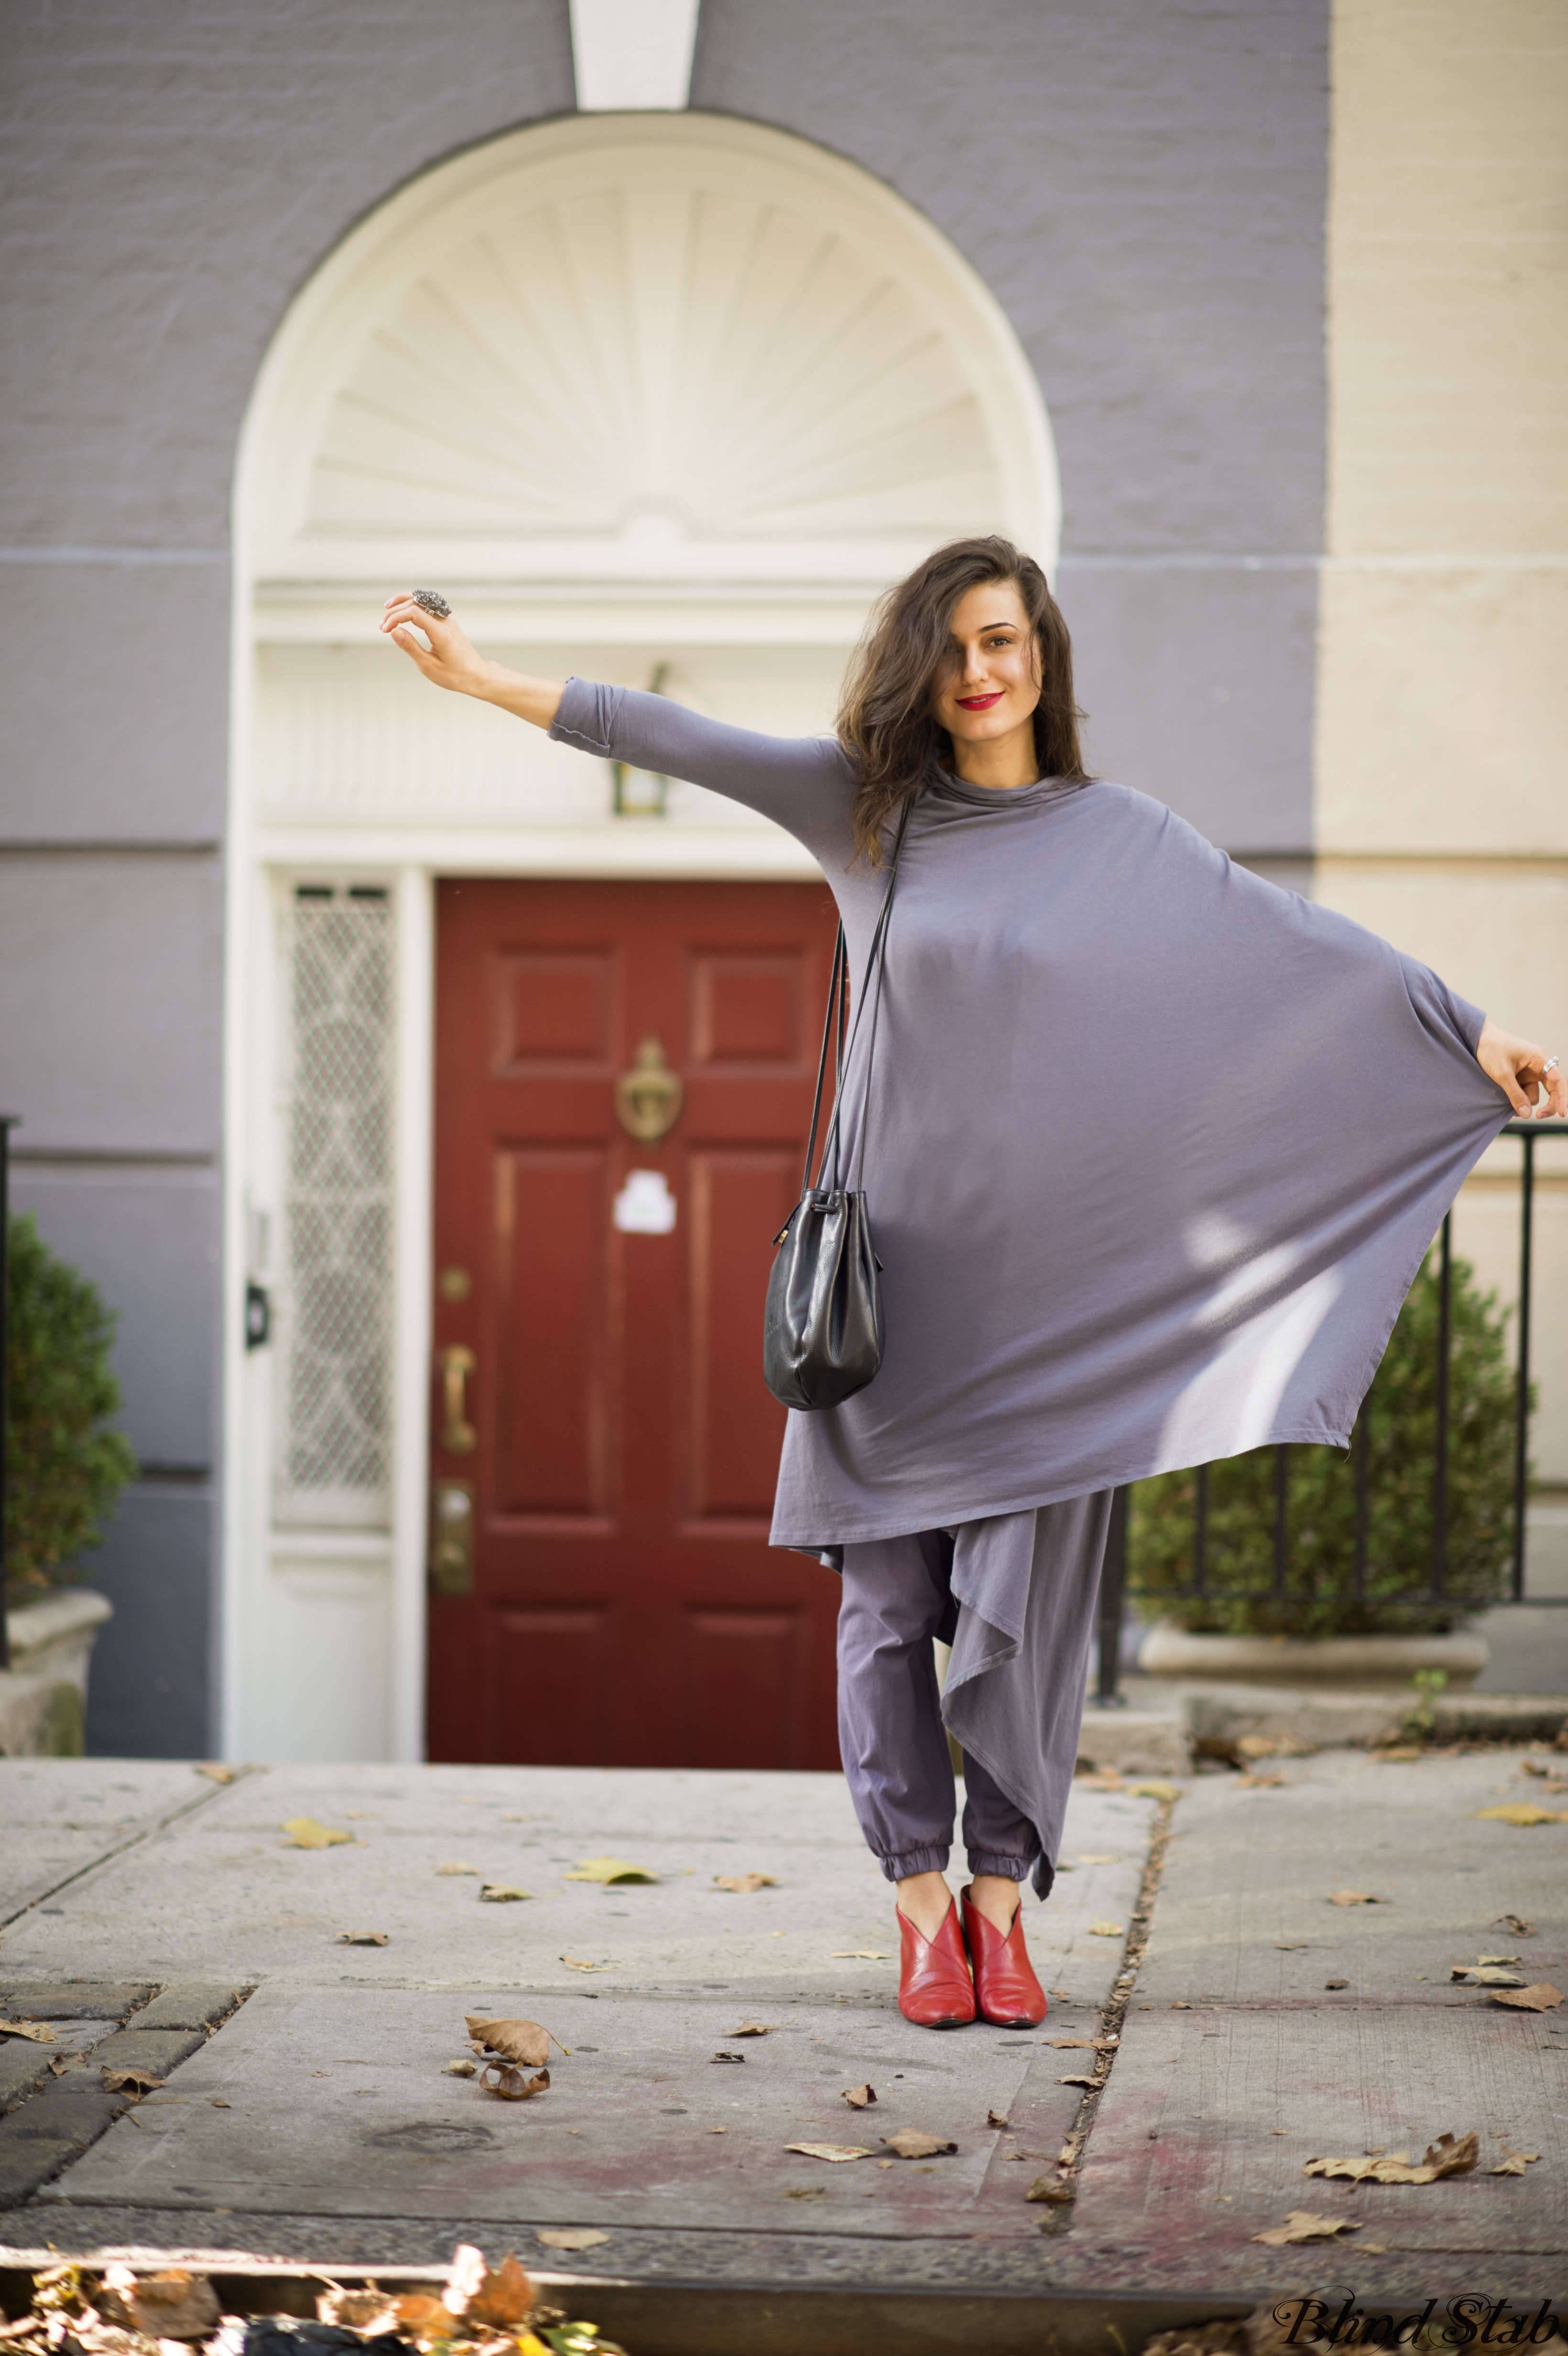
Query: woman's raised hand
(452,663)
(1519,1067)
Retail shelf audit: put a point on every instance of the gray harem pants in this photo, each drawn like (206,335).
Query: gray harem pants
(1014,1598)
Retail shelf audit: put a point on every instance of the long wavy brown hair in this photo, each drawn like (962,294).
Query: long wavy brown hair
(885,721)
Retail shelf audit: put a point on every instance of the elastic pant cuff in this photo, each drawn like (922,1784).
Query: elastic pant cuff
(915,1860)
(1011,1869)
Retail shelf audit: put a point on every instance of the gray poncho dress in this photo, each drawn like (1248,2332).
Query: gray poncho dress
(1154,1152)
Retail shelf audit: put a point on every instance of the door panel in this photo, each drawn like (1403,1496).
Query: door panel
(739,1202)
(624,1606)
(552,1343)
(744,1673)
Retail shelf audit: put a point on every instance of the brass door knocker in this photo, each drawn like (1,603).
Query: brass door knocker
(648,1097)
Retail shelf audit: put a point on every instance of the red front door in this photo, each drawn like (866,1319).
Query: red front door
(603,1447)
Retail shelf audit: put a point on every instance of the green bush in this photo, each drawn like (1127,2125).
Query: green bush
(1400,1415)
(63,1468)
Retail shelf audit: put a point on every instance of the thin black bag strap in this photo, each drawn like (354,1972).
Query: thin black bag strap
(834,997)
(874,959)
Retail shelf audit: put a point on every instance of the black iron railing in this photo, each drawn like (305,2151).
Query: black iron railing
(8,1121)
(1119,1585)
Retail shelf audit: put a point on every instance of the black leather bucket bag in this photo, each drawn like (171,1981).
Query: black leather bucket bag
(822,1329)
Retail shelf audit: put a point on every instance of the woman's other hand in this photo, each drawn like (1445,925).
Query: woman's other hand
(1519,1069)
(452,663)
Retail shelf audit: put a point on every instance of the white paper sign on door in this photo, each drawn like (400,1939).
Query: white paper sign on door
(644,1206)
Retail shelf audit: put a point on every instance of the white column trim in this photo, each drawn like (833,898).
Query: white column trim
(412,1275)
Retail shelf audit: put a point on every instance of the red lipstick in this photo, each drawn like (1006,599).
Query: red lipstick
(978,703)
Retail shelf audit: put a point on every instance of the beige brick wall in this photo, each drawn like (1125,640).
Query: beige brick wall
(1441,756)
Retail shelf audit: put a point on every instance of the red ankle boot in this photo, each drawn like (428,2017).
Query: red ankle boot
(1006,1990)
(935,1987)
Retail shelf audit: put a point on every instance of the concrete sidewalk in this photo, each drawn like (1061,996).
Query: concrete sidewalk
(316,2122)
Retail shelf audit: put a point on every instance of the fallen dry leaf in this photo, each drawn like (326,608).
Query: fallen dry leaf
(806,2192)
(1352,1898)
(608,1870)
(135,2083)
(523,2041)
(503,2300)
(859,1956)
(1259,1783)
(303,1832)
(1513,2163)
(421,2315)
(1078,2081)
(745,1881)
(466,2274)
(569,2237)
(1484,1975)
(1497,1959)
(1542,1998)
(582,1963)
(1107,1929)
(1062,2042)
(1301,2225)
(997,2119)
(1151,1788)
(1050,2188)
(361,1939)
(859,2097)
(833,2151)
(1449,2156)
(454,1866)
(728,2057)
(1517,1924)
(355,2310)
(512,2086)
(174,2304)
(501,1893)
(464,2068)
(216,1773)
(37,2031)
(753,2029)
(1524,1812)
(913,2142)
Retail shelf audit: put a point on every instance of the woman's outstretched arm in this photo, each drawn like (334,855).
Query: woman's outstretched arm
(452,663)
(803,783)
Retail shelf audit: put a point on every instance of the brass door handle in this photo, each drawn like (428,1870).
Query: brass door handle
(454,1365)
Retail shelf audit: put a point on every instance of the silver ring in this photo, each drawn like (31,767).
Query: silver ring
(1551,1065)
(433,602)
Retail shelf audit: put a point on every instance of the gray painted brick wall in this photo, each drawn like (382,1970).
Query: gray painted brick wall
(1142,184)
(1140,181)
(175,169)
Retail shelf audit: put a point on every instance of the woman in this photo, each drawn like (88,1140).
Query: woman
(1155,1151)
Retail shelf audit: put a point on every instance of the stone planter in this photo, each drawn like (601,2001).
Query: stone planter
(43,1695)
(1376,1662)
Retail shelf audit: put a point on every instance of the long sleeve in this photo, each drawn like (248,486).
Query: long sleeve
(804,784)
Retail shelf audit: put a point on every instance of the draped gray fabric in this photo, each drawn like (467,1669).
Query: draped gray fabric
(1015,1599)
(1154,1149)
